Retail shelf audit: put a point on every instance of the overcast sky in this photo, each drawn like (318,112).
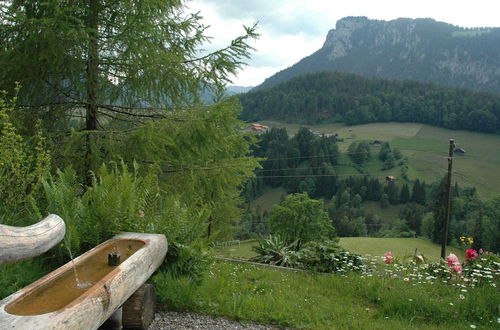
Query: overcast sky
(293,29)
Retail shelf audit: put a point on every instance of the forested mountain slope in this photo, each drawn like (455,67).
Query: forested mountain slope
(407,49)
(327,97)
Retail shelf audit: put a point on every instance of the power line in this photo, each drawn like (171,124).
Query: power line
(311,175)
(319,156)
(305,168)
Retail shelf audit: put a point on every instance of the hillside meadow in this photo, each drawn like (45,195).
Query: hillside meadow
(426,148)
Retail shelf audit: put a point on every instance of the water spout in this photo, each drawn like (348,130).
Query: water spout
(113,258)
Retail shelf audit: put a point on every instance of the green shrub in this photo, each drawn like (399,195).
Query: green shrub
(187,261)
(325,257)
(328,257)
(23,163)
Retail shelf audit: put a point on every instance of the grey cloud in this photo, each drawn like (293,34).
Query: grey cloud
(270,18)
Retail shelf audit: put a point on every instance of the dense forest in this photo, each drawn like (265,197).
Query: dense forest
(329,97)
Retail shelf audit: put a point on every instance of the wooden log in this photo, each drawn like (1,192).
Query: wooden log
(17,243)
(140,308)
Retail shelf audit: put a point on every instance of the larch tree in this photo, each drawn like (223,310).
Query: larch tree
(122,79)
(89,63)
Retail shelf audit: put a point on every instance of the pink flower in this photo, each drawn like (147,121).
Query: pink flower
(471,253)
(456,268)
(388,258)
(452,259)
(454,263)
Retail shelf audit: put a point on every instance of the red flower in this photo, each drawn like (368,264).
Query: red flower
(471,253)
(388,258)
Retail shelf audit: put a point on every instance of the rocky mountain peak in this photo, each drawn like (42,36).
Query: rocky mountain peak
(408,49)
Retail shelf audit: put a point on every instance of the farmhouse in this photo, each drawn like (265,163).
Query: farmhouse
(256,127)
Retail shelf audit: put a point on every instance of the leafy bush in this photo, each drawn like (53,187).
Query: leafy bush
(187,261)
(328,257)
(301,218)
(23,163)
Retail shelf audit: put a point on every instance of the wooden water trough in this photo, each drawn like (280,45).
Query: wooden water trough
(87,298)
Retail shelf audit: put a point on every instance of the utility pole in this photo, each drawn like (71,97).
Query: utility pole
(448,199)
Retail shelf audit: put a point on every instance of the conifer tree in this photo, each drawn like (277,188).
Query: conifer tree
(106,65)
(404,196)
(122,80)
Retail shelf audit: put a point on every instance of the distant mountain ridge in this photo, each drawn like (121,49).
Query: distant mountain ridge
(406,49)
(232,90)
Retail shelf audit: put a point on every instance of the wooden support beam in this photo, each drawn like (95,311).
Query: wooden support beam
(139,309)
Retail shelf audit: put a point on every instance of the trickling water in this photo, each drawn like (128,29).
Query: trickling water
(79,285)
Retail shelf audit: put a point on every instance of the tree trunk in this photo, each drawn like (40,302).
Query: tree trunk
(91,118)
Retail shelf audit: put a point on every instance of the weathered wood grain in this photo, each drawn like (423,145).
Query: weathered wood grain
(17,243)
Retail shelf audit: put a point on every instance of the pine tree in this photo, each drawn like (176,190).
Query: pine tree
(404,197)
(392,192)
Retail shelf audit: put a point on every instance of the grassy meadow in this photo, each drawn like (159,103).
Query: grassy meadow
(401,247)
(427,149)
(306,300)
(270,197)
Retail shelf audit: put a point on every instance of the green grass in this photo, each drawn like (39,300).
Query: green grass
(243,250)
(266,201)
(386,214)
(400,247)
(312,301)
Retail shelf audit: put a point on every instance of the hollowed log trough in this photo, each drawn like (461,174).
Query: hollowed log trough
(56,302)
